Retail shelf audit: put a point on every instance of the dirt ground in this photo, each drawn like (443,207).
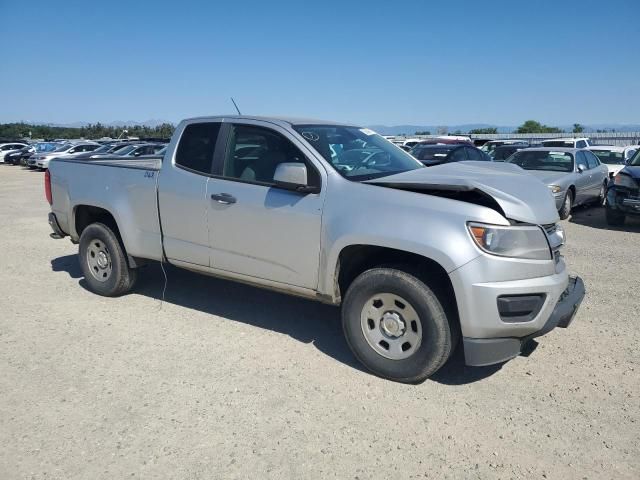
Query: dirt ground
(228,381)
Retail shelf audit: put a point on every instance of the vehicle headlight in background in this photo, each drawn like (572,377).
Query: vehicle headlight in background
(528,242)
(623,180)
(555,188)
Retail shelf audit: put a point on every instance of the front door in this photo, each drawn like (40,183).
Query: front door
(257,229)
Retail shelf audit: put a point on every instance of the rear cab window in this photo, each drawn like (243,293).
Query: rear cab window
(197,146)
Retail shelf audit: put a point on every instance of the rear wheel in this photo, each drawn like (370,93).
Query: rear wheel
(396,325)
(567,205)
(103,262)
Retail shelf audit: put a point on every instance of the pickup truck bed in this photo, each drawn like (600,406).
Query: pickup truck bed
(129,191)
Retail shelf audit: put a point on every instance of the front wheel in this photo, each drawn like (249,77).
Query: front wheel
(567,205)
(103,262)
(396,325)
(602,197)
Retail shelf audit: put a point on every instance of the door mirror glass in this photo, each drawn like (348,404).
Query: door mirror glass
(293,173)
(292,176)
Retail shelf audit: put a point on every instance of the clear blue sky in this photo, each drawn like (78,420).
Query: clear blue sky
(370,62)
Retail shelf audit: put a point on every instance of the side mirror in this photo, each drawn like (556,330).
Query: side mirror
(293,176)
(582,167)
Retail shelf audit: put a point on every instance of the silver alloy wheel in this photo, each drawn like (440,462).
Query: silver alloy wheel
(99,260)
(391,326)
(567,202)
(603,195)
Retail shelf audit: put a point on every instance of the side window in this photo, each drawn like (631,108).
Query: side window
(196,147)
(474,154)
(581,160)
(581,144)
(592,160)
(254,153)
(458,155)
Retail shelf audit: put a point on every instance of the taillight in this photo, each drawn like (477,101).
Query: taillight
(47,187)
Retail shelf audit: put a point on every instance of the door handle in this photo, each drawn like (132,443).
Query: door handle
(223,198)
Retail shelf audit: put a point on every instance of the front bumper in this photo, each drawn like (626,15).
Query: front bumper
(623,200)
(488,351)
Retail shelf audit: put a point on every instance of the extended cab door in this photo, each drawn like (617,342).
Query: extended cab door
(257,229)
(182,194)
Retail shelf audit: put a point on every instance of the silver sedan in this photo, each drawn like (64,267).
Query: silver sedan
(574,176)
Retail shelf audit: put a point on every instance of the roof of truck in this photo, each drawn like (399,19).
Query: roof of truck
(279,120)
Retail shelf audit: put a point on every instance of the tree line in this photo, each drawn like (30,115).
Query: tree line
(91,131)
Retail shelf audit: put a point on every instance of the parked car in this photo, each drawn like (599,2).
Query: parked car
(14,157)
(615,158)
(42,160)
(139,149)
(40,147)
(623,193)
(9,148)
(501,153)
(574,176)
(491,145)
(581,142)
(107,149)
(414,255)
(431,155)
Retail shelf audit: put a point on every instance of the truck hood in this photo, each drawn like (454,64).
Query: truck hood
(520,196)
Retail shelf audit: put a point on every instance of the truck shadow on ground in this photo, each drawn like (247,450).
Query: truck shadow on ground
(594,217)
(301,319)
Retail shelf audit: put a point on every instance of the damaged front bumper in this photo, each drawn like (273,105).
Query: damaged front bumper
(489,351)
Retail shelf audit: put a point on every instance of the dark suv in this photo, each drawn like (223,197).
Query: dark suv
(623,193)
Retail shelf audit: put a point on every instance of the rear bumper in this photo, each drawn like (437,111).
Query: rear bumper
(55,226)
(488,351)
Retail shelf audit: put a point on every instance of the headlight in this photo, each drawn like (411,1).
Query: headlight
(508,241)
(623,180)
(555,188)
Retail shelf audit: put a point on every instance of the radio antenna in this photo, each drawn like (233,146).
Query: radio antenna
(234,104)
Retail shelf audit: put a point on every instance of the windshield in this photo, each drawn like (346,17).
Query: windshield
(559,143)
(543,160)
(63,148)
(429,152)
(357,153)
(46,147)
(610,157)
(126,150)
(103,149)
(635,160)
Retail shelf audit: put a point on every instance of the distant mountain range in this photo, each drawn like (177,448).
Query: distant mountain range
(381,129)
(465,128)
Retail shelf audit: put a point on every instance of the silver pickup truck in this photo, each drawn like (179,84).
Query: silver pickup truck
(416,257)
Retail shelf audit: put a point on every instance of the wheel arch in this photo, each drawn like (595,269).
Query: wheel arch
(356,259)
(84,215)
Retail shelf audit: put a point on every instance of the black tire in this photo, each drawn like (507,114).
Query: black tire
(602,197)
(614,218)
(114,279)
(567,205)
(438,331)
